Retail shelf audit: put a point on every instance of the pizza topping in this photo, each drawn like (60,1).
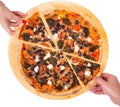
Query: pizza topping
(95,66)
(36,69)
(89,65)
(37,59)
(55,36)
(49,82)
(94,48)
(88,39)
(88,56)
(59,87)
(87,73)
(26,65)
(66,21)
(60,44)
(51,22)
(48,55)
(62,68)
(42,81)
(53,61)
(75,35)
(66,87)
(76,48)
(85,31)
(50,66)
(26,36)
(68,49)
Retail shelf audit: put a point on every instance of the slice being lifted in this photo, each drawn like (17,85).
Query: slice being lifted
(33,30)
(60,48)
(84,69)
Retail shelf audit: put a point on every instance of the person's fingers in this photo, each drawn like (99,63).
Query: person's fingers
(99,92)
(15,18)
(14,24)
(105,76)
(96,88)
(6,25)
(20,14)
(100,81)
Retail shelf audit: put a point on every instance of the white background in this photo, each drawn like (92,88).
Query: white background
(13,94)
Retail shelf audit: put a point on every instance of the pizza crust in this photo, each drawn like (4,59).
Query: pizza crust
(15,46)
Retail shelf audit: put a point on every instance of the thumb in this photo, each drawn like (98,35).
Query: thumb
(100,81)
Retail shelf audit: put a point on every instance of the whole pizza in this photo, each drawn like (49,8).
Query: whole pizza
(59,49)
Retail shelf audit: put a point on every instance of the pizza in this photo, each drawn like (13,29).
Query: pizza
(60,50)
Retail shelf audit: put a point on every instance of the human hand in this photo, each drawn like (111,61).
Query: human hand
(9,19)
(108,84)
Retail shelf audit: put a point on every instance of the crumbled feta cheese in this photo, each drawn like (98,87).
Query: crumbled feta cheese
(49,82)
(69,37)
(58,62)
(48,55)
(34,29)
(88,39)
(36,69)
(62,68)
(89,65)
(55,36)
(76,48)
(31,37)
(27,23)
(50,66)
(66,87)
(58,17)
(37,59)
(87,73)
(48,36)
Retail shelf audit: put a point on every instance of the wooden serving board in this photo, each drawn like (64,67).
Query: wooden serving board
(15,44)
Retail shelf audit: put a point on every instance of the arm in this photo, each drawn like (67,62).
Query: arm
(108,84)
(9,18)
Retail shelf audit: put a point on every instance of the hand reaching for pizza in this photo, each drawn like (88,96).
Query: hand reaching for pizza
(9,18)
(108,84)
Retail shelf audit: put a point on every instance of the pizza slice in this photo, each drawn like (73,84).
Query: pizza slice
(33,30)
(48,71)
(85,70)
(74,34)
